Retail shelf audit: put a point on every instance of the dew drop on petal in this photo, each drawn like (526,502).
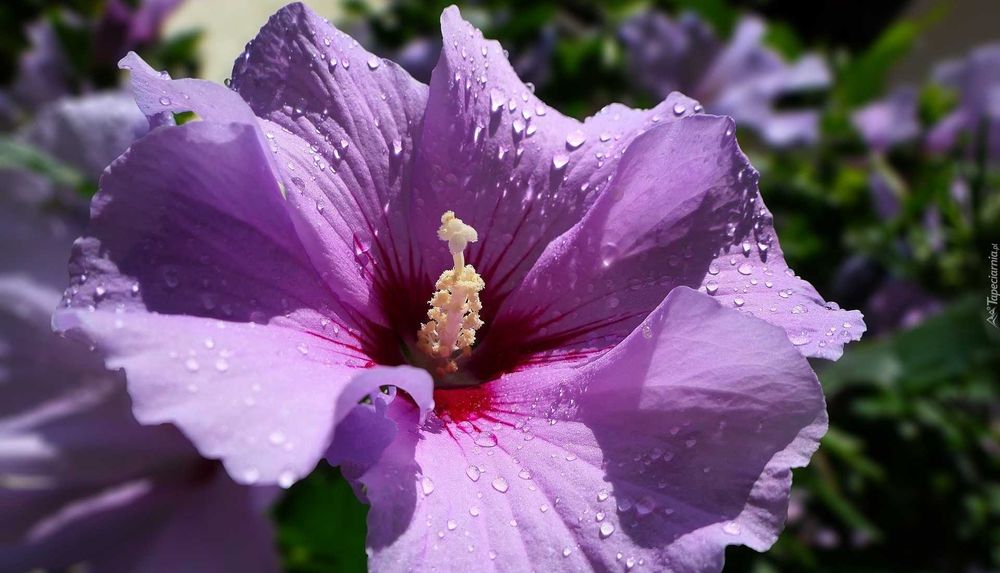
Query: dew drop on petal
(606,530)
(486,440)
(426,485)
(473,473)
(286,479)
(575,139)
(800,339)
(731,527)
(500,484)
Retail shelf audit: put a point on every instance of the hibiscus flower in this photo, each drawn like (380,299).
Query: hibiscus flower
(531,342)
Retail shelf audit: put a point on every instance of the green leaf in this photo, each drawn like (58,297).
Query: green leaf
(21,156)
(321,525)
(864,78)
(945,346)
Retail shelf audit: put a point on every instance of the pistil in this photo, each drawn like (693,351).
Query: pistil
(453,316)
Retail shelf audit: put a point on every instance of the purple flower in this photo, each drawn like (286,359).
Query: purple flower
(890,121)
(80,480)
(45,71)
(743,78)
(900,305)
(589,407)
(128,25)
(977,81)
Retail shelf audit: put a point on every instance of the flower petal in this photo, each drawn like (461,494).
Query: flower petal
(890,121)
(158,96)
(675,444)
(82,481)
(264,399)
(683,209)
(206,239)
(342,124)
(191,221)
(516,170)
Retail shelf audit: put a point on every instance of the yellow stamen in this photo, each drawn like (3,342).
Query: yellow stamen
(454,313)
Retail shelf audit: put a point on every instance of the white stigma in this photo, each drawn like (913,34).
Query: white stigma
(454,308)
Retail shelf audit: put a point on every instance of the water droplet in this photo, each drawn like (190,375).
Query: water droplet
(452,525)
(711,287)
(745,269)
(426,485)
(500,484)
(566,551)
(560,161)
(164,100)
(373,62)
(738,301)
(606,530)
(221,365)
(170,277)
(524,474)
(473,473)
(645,506)
(496,100)
(474,511)
(286,479)
(647,332)
(191,364)
(731,527)
(575,139)
(602,495)
(799,339)
(679,109)
(486,440)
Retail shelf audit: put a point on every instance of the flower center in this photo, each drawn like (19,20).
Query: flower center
(450,332)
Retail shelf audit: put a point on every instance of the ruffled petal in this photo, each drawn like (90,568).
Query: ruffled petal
(206,244)
(518,171)
(682,210)
(263,399)
(191,221)
(673,445)
(343,125)
(82,481)
(660,222)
